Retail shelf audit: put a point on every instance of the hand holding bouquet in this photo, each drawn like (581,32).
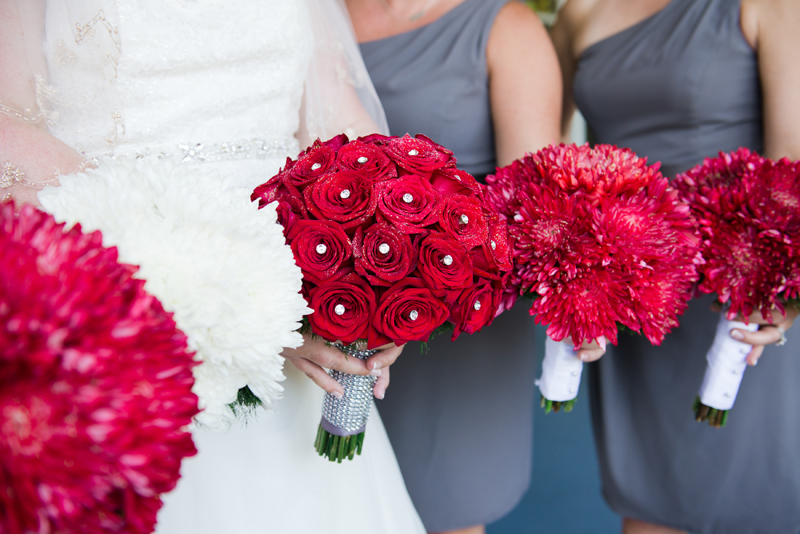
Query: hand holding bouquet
(747,213)
(394,243)
(599,241)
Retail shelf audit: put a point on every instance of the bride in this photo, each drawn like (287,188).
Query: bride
(232,91)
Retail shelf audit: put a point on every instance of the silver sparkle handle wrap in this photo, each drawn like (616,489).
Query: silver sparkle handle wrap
(348,416)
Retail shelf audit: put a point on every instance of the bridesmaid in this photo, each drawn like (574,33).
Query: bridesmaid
(678,81)
(481,78)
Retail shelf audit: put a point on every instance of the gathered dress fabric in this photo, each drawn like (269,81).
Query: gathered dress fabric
(680,86)
(459,416)
(218,86)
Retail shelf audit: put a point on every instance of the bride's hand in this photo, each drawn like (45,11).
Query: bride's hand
(769,332)
(315,355)
(590,352)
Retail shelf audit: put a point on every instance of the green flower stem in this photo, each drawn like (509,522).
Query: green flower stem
(556,406)
(338,448)
(715,418)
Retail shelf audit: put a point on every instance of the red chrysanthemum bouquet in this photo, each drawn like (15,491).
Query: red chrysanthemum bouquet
(748,213)
(95,385)
(600,241)
(394,241)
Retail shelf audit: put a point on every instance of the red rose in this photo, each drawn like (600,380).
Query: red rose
(476,307)
(286,216)
(375,139)
(409,202)
(269,192)
(494,254)
(344,196)
(342,309)
(320,248)
(417,155)
(450,181)
(360,156)
(336,143)
(409,311)
(444,264)
(317,160)
(462,217)
(383,254)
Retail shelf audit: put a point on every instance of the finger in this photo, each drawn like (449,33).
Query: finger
(384,357)
(345,363)
(765,336)
(380,386)
(318,375)
(590,355)
(755,354)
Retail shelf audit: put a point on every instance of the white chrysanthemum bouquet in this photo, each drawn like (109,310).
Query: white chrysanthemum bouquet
(211,257)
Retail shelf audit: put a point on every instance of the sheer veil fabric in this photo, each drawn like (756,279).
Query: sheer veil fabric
(230,90)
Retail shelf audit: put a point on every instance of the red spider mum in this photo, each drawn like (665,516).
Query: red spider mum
(749,222)
(95,385)
(599,239)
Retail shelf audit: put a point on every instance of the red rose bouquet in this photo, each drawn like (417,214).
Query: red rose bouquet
(394,243)
(600,241)
(747,212)
(95,385)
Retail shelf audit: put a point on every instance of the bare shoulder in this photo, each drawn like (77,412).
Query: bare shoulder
(516,17)
(516,27)
(759,17)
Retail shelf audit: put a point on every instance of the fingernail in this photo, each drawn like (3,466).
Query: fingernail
(583,357)
(380,394)
(736,334)
(337,394)
(375,372)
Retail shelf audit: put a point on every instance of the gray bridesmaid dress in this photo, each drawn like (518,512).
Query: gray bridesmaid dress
(677,87)
(459,417)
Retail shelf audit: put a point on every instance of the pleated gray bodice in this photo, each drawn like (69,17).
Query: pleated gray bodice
(677,87)
(434,81)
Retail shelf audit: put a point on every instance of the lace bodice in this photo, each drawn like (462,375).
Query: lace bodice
(194,80)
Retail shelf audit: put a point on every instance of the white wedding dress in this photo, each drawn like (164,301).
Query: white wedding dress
(218,85)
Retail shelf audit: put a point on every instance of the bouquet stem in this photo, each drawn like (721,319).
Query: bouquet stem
(341,431)
(555,406)
(561,376)
(726,365)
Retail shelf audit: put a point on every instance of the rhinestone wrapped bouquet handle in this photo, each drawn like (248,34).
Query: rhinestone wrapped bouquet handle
(600,243)
(395,243)
(749,226)
(341,430)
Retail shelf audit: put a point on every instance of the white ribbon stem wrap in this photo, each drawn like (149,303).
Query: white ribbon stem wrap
(726,365)
(561,371)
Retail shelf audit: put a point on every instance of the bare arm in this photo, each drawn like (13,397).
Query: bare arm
(524,83)
(773,28)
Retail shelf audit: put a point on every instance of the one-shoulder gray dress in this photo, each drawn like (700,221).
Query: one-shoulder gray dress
(677,87)
(459,417)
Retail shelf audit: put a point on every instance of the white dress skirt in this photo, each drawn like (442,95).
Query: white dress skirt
(217,85)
